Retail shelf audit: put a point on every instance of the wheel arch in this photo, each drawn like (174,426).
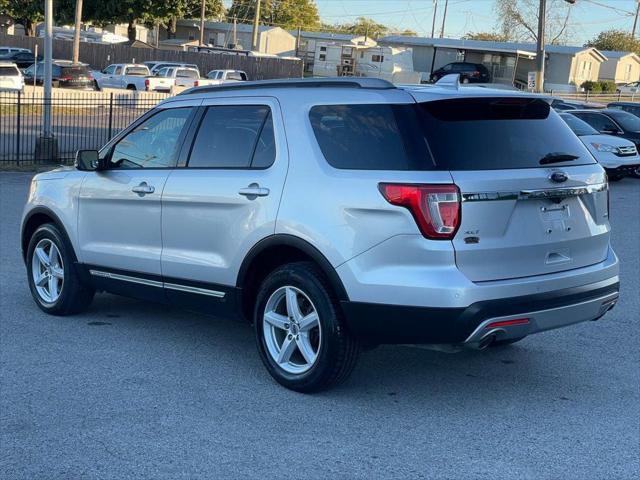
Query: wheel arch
(36,217)
(276,250)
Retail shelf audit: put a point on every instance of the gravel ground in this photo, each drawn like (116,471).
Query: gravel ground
(136,390)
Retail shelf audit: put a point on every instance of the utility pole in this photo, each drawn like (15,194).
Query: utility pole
(202,12)
(46,148)
(635,21)
(444,18)
(235,32)
(540,52)
(433,24)
(256,22)
(76,33)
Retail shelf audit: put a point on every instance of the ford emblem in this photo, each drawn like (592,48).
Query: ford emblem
(558,177)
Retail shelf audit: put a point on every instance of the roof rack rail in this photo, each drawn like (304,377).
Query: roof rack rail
(332,82)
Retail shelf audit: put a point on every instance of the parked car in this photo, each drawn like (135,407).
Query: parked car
(131,76)
(21,59)
(562,105)
(613,122)
(618,156)
(629,107)
(469,72)
(632,88)
(223,76)
(64,74)
(332,214)
(5,51)
(155,66)
(183,76)
(11,78)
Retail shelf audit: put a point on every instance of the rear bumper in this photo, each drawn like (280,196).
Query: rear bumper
(471,326)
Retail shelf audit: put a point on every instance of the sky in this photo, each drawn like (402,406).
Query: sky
(588,17)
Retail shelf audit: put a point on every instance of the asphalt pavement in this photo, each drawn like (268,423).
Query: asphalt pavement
(136,390)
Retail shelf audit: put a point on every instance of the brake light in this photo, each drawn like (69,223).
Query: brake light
(435,208)
(146,84)
(475,74)
(196,83)
(65,79)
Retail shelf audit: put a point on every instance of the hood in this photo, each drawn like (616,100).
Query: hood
(606,139)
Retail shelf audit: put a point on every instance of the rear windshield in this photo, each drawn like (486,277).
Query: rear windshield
(75,71)
(457,134)
(9,72)
(137,71)
(187,74)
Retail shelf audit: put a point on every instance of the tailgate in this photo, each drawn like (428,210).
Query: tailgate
(534,201)
(523,225)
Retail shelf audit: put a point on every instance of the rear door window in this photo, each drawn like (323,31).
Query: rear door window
(234,136)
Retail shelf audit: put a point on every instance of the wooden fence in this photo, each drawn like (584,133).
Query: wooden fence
(99,56)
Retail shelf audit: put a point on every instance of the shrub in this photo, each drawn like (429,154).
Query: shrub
(608,86)
(592,87)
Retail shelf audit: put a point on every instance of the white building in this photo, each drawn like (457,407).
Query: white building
(364,58)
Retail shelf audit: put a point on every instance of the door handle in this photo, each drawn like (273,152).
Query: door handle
(143,189)
(254,190)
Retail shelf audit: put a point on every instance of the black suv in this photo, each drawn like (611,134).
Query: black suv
(469,72)
(21,59)
(64,74)
(631,107)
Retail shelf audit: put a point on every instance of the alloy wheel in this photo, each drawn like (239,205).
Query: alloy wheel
(291,329)
(47,270)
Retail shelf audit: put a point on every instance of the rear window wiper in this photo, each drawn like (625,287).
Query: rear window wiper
(557,157)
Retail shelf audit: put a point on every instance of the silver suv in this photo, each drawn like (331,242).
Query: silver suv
(335,215)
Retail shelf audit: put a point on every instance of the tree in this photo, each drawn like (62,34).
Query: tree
(288,14)
(25,12)
(519,20)
(615,40)
(166,12)
(487,36)
(365,26)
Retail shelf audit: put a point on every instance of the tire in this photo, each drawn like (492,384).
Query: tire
(96,86)
(505,343)
(614,177)
(636,173)
(464,80)
(72,295)
(334,350)
(131,87)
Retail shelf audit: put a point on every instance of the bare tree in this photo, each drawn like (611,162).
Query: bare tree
(518,20)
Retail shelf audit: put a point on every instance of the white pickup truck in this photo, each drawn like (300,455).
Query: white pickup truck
(131,76)
(225,76)
(183,76)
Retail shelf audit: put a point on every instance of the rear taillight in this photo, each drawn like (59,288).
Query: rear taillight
(475,74)
(435,208)
(196,83)
(146,84)
(65,79)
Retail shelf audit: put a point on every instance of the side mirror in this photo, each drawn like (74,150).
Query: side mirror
(87,160)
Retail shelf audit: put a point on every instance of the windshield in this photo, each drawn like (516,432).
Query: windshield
(579,127)
(626,120)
